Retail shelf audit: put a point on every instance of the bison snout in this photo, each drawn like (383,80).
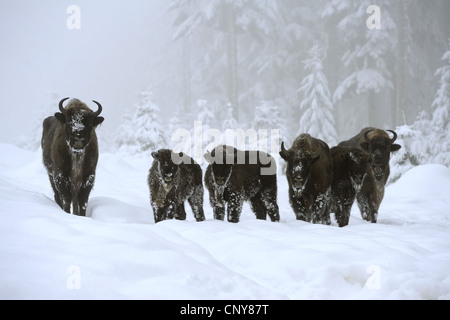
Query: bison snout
(220,181)
(168,177)
(357,179)
(78,142)
(299,182)
(378,169)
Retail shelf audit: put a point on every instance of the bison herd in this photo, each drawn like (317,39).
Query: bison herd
(321,180)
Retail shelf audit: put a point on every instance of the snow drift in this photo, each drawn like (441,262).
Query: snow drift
(117,252)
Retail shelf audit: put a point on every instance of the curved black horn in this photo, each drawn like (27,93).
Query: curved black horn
(96,113)
(394,137)
(283,149)
(366,135)
(61,107)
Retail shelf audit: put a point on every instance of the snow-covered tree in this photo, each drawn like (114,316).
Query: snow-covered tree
(427,140)
(206,114)
(317,107)
(142,131)
(229,122)
(365,59)
(440,122)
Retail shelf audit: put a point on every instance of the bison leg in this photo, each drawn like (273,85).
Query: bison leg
(159,214)
(342,212)
(179,213)
(299,208)
(80,201)
(321,210)
(196,203)
(63,195)
(258,207)
(234,209)
(218,207)
(367,208)
(269,199)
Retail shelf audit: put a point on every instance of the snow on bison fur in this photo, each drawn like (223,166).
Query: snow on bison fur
(349,172)
(234,176)
(379,145)
(70,153)
(309,172)
(174,178)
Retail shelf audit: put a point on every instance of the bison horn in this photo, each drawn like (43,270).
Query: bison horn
(61,107)
(366,135)
(283,149)
(394,137)
(99,108)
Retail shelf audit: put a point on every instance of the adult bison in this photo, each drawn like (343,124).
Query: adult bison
(349,172)
(174,178)
(70,153)
(234,176)
(309,172)
(379,145)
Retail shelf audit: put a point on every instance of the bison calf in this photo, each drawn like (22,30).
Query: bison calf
(174,178)
(235,176)
(70,153)
(309,172)
(349,172)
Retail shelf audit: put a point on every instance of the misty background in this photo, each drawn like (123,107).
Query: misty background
(297,66)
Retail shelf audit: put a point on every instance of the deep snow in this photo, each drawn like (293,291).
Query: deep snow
(119,253)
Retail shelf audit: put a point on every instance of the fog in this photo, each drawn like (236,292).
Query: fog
(108,59)
(241,58)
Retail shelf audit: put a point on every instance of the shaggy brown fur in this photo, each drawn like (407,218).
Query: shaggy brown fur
(70,153)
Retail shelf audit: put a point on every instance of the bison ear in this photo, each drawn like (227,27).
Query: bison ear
(316,158)
(98,120)
(155,155)
(364,145)
(60,117)
(395,147)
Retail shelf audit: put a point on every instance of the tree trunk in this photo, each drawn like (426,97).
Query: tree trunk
(187,95)
(398,117)
(232,62)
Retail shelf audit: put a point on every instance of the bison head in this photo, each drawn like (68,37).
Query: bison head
(357,161)
(379,145)
(168,164)
(221,160)
(299,163)
(79,121)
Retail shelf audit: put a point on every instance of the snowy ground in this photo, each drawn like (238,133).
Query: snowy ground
(119,253)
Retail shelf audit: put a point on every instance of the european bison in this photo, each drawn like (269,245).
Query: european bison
(174,178)
(309,172)
(379,145)
(235,176)
(70,153)
(349,172)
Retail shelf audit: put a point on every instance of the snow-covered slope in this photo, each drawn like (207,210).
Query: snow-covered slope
(119,253)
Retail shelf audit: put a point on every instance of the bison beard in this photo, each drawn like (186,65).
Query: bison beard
(70,153)
(173,179)
(230,183)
